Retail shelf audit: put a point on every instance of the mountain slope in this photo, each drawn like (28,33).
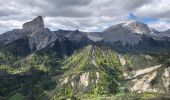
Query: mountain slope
(90,71)
(135,36)
(131,36)
(125,61)
(97,71)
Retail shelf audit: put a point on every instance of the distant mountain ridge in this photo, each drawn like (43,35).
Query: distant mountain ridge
(39,37)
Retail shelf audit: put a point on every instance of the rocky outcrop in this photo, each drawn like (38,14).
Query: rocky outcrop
(166,79)
(120,33)
(39,40)
(137,27)
(33,26)
(11,36)
(132,33)
(39,36)
(36,24)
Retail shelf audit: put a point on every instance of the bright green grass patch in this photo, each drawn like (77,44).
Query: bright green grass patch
(17,96)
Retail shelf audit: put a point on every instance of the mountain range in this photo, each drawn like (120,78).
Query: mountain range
(132,33)
(125,61)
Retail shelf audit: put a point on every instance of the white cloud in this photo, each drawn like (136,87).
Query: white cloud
(160,25)
(9,25)
(86,15)
(155,9)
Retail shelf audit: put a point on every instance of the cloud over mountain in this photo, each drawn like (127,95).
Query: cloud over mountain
(87,15)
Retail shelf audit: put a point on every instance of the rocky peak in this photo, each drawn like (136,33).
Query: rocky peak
(166,31)
(121,33)
(137,27)
(111,28)
(35,25)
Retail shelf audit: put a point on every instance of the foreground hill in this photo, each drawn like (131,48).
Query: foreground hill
(90,72)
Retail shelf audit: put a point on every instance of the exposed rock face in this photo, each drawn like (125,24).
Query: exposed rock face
(137,27)
(72,35)
(36,24)
(167,33)
(166,79)
(132,32)
(84,79)
(94,36)
(120,33)
(143,84)
(10,36)
(122,60)
(142,81)
(28,28)
(41,39)
(126,33)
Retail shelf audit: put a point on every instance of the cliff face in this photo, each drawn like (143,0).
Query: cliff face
(31,27)
(36,24)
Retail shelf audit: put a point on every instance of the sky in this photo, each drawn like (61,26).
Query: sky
(85,15)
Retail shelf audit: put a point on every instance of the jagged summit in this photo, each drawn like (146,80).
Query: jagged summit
(131,32)
(137,27)
(133,26)
(35,25)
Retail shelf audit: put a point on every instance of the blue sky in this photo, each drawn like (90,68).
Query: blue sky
(131,16)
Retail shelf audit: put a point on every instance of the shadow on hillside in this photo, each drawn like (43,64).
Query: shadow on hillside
(31,84)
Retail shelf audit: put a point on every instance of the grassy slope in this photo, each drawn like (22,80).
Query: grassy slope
(101,67)
(89,61)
